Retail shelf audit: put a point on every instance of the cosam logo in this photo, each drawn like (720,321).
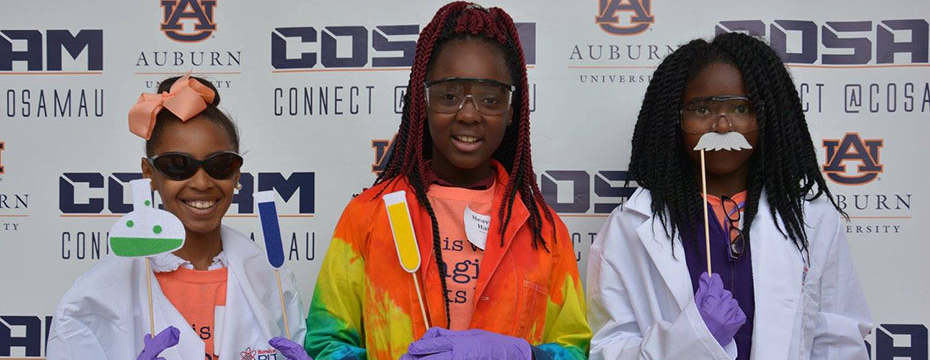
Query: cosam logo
(46,51)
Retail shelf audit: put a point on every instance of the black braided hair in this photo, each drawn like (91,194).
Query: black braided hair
(460,21)
(784,163)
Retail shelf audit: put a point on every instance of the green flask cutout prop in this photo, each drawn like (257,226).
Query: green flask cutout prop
(145,231)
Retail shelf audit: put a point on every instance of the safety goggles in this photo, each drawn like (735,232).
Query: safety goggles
(700,116)
(180,166)
(448,96)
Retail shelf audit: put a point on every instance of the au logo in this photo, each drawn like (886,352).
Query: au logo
(383,151)
(176,11)
(852,148)
(639,14)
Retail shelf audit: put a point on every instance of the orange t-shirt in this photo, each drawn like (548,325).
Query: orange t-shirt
(462,214)
(729,208)
(196,294)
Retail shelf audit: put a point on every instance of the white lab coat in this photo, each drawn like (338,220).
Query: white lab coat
(641,302)
(105,313)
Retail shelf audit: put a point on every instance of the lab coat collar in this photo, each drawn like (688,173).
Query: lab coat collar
(640,202)
(168,262)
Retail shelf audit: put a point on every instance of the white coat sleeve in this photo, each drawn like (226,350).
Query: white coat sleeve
(614,310)
(843,319)
(69,339)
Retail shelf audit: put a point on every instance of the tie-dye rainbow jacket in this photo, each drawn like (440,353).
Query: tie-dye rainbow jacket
(365,305)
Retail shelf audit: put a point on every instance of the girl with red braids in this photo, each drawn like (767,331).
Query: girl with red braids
(462,163)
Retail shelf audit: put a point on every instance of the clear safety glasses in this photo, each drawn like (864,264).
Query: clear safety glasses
(448,96)
(700,116)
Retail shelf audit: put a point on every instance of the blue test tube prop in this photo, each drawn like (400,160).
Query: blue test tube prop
(271,230)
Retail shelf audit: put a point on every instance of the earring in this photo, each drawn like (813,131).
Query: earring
(238,186)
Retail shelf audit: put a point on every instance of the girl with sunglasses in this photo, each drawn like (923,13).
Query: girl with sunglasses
(461,162)
(217,294)
(783,283)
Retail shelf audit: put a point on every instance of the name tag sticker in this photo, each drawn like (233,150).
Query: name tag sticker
(476,228)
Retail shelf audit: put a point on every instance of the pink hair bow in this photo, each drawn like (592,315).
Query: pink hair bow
(186,98)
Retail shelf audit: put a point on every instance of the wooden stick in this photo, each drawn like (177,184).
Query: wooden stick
(287,329)
(148,286)
(416,284)
(706,227)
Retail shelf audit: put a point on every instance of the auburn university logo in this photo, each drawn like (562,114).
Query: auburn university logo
(852,148)
(177,11)
(383,151)
(636,16)
(1,157)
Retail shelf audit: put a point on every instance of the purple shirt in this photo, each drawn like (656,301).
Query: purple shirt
(736,274)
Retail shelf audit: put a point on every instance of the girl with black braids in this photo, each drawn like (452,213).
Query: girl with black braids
(783,283)
(462,163)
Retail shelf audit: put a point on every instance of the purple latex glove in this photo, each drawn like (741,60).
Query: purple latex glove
(290,349)
(154,346)
(439,344)
(721,313)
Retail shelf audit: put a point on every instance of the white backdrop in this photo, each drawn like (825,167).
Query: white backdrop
(314,87)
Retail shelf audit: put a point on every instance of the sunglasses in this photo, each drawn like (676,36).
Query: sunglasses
(179,166)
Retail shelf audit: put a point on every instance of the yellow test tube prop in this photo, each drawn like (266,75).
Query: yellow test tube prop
(405,239)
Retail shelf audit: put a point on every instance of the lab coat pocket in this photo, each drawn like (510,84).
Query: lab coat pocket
(531,308)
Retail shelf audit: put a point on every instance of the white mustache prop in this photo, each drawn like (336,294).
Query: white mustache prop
(714,141)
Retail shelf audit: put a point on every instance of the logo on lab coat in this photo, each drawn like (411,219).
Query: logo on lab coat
(259,354)
(248,354)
